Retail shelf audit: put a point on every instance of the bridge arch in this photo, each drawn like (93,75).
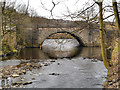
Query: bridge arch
(73,35)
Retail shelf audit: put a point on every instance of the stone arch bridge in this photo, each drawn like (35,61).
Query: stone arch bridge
(34,38)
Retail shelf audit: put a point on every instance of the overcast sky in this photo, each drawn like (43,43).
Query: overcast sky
(60,9)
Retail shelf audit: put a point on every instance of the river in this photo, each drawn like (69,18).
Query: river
(71,67)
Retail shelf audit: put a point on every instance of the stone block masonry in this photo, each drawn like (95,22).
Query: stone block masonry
(34,38)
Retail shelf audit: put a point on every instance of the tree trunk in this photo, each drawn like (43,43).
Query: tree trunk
(102,38)
(0,19)
(0,29)
(117,18)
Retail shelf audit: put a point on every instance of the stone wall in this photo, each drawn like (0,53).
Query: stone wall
(34,38)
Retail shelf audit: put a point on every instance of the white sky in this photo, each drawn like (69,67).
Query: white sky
(60,9)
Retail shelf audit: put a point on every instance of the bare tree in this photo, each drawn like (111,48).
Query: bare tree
(102,38)
(116,13)
(0,30)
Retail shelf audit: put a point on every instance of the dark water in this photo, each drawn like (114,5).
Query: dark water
(53,48)
(37,53)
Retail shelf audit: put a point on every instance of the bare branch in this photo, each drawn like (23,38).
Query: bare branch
(87,8)
(53,7)
(51,10)
(77,1)
(27,8)
(108,16)
(43,6)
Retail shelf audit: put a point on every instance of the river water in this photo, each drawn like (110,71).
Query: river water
(74,66)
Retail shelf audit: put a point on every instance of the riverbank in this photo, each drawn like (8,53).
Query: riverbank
(113,78)
(6,54)
(9,44)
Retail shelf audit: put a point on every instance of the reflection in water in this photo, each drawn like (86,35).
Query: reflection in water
(62,54)
(60,48)
(91,52)
(60,44)
(36,53)
(53,48)
(32,53)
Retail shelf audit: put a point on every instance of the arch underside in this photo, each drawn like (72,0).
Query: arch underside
(73,35)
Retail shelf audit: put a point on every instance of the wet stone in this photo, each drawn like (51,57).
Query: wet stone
(46,64)
(94,60)
(33,78)
(15,75)
(54,74)
(22,79)
(28,82)
(58,63)
(52,61)
(23,71)
(17,83)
